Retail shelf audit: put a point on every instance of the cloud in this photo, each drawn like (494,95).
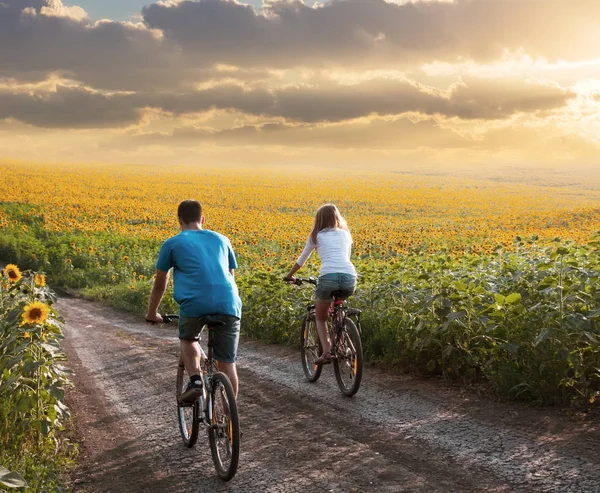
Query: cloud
(179,43)
(474,98)
(397,134)
(104,55)
(68,108)
(375,32)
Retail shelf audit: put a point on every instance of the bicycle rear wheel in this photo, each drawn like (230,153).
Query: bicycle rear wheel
(348,366)
(224,430)
(187,413)
(310,348)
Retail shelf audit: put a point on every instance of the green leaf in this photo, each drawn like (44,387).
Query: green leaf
(513,298)
(499,299)
(431,365)
(542,336)
(594,313)
(456,315)
(11,479)
(460,286)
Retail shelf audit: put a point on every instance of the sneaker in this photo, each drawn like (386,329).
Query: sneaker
(192,392)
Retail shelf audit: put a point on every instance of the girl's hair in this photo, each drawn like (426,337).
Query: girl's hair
(327,216)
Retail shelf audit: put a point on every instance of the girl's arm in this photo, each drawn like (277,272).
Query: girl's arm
(293,270)
(308,249)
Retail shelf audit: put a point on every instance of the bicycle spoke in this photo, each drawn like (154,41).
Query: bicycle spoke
(310,348)
(224,429)
(348,366)
(187,413)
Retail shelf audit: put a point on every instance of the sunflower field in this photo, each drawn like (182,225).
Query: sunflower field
(32,384)
(470,279)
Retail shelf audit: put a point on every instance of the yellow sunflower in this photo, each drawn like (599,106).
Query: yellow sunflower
(35,313)
(40,280)
(13,272)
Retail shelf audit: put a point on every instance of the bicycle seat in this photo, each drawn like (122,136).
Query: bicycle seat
(337,297)
(212,321)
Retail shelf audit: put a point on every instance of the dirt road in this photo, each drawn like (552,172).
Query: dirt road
(396,435)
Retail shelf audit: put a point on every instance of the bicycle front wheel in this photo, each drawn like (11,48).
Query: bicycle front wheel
(310,348)
(224,429)
(348,366)
(187,413)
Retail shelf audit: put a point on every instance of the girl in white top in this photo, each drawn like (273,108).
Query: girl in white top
(332,240)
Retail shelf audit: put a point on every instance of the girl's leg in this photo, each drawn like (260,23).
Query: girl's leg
(321,313)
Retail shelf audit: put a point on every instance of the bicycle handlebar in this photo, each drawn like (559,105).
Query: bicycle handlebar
(300,280)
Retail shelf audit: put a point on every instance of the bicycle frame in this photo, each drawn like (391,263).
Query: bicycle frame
(337,314)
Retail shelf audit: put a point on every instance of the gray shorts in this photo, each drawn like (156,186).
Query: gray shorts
(225,338)
(342,285)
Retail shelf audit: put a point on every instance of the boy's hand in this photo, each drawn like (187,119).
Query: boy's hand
(154,318)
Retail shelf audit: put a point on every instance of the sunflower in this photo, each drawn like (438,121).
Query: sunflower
(13,272)
(40,280)
(35,313)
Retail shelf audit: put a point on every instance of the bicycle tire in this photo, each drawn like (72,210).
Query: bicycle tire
(187,415)
(348,364)
(224,430)
(310,348)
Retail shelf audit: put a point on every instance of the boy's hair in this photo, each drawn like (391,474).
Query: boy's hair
(327,216)
(189,211)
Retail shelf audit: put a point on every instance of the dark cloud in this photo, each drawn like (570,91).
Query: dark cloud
(190,38)
(106,55)
(473,99)
(375,32)
(68,108)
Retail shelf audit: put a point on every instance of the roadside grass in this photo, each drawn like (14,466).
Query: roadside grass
(32,385)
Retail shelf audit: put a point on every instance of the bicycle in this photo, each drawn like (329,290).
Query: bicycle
(216,408)
(344,333)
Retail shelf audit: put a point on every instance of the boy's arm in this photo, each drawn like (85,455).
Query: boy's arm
(158,291)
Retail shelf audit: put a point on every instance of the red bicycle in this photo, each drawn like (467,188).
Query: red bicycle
(344,332)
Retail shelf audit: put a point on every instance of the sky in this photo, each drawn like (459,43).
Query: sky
(373,83)
(124,10)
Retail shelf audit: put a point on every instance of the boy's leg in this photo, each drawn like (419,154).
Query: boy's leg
(191,355)
(231,371)
(225,345)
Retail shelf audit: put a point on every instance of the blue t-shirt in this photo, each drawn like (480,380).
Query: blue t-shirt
(201,260)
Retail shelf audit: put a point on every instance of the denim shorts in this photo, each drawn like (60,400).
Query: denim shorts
(342,285)
(225,338)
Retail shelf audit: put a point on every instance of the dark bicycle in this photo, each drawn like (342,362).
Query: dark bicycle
(344,332)
(216,408)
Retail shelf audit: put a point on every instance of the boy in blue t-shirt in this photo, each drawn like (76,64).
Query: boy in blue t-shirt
(203,262)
